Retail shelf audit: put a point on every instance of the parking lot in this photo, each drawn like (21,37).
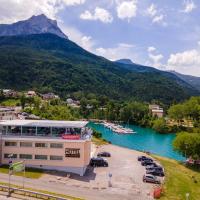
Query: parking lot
(126,181)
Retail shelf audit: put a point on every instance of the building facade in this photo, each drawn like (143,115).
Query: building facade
(53,145)
(156,110)
(7,113)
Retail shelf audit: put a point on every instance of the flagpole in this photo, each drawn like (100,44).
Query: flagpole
(24,174)
(9,183)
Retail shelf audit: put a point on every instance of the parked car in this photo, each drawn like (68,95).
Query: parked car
(142,158)
(155,172)
(150,179)
(104,154)
(153,165)
(149,167)
(98,162)
(146,162)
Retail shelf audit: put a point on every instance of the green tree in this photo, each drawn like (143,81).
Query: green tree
(23,101)
(188,144)
(177,112)
(160,125)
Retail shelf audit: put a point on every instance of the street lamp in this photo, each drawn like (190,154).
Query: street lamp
(109,180)
(187,196)
(186,146)
(10,159)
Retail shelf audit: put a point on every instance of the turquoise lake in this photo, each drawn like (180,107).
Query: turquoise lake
(143,140)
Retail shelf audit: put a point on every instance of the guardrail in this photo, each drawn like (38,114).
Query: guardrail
(29,193)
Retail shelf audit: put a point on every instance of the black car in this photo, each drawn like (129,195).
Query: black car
(155,172)
(149,167)
(98,162)
(146,162)
(143,158)
(150,179)
(104,154)
(153,165)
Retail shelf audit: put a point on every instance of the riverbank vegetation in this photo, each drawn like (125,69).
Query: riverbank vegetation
(179,180)
(188,144)
(178,117)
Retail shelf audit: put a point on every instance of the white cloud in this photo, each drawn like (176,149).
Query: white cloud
(73,2)
(122,50)
(155,15)
(151,10)
(127,9)
(99,14)
(76,36)
(189,6)
(158,19)
(187,62)
(15,10)
(151,49)
(155,57)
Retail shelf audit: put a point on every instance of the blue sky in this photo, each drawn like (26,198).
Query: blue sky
(162,33)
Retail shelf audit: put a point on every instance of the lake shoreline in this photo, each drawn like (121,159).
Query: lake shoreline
(144,140)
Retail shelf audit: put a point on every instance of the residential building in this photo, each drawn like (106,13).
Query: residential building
(49,96)
(31,94)
(46,144)
(156,110)
(7,113)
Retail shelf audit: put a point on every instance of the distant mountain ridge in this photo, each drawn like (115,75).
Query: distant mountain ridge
(34,25)
(192,80)
(49,62)
(130,65)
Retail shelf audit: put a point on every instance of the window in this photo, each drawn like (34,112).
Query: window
(56,145)
(41,157)
(43,145)
(25,144)
(56,158)
(25,156)
(8,155)
(10,144)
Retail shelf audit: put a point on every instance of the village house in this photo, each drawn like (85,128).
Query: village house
(7,113)
(73,103)
(31,94)
(49,96)
(156,110)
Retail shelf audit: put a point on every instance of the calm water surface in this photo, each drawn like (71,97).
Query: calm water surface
(144,139)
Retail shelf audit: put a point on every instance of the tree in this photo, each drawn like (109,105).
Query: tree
(188,144)
(23,101)
(1,95)
(177,112)
(160,126)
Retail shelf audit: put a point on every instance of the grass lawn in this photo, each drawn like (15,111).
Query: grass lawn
(10,102)
(45,192)
(99,141)
(180,180)
(30,172)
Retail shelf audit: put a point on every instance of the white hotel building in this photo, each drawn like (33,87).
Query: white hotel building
(56,145)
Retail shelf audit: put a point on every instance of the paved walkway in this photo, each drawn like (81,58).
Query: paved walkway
(126,180)
(7,198)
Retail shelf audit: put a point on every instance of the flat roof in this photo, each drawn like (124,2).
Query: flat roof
(44,123)
(39,139)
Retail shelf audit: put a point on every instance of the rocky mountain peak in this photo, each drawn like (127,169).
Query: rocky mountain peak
(34,25)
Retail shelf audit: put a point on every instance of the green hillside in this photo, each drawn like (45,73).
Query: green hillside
(46,62)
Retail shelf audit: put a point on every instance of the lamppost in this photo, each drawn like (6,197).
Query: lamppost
(109,180)
(186,146)
(187,196)
(9,172)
